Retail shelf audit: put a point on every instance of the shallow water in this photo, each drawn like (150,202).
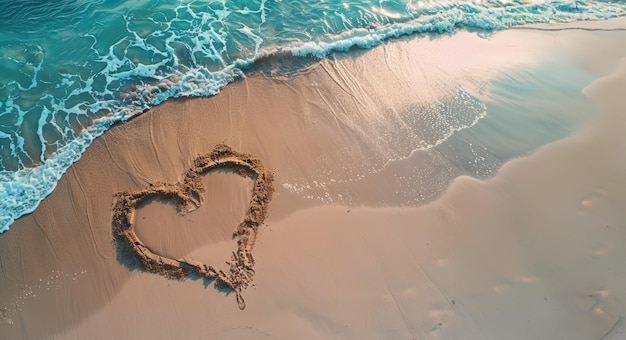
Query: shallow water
(523,111)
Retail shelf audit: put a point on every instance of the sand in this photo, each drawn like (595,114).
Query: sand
(188,195)
(532,250)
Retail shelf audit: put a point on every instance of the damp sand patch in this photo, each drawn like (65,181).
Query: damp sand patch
(188,196)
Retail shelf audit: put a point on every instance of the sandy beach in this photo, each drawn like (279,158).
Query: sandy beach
(418,195)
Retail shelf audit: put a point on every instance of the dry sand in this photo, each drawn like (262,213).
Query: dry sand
(534,252)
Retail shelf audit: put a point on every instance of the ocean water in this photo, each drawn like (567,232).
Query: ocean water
(70,69)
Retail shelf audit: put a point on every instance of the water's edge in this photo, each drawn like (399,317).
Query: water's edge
(23,188)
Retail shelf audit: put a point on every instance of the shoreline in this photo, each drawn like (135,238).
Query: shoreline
(293,125)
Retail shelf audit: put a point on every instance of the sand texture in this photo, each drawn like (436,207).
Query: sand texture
(439,187)
(189,195)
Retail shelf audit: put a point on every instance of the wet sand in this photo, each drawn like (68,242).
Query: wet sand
(188,195)
(534,250)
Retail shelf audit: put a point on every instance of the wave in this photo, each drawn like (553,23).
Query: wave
(121,60)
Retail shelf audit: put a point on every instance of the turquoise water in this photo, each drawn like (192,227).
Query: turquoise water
(70,69)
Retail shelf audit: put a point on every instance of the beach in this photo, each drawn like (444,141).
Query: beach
(417,195)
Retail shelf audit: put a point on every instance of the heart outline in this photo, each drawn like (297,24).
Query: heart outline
(189,196)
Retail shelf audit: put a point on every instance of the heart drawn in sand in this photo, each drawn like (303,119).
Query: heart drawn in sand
(188,196)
